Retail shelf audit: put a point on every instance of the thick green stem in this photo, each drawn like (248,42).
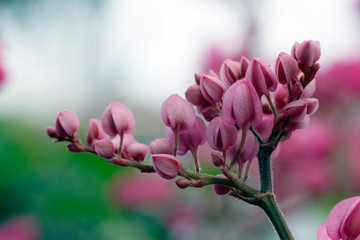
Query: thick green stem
(272,210)
(264,157)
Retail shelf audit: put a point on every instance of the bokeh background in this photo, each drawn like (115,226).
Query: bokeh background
(81,55)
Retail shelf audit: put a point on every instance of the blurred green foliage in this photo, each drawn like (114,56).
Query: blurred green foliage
(67,193)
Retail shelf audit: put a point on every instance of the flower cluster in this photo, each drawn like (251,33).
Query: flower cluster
(244,112)
(249,103)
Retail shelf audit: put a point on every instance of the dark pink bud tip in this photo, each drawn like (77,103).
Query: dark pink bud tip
(105,148)
(230,72)
(117,119)
(217,159)
(67,123)
(176,112)
(166,165)
(183,183)
(308,52)
(221,189)
(51,132)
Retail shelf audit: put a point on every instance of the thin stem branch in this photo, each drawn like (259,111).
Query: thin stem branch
(272,107)
(244,130)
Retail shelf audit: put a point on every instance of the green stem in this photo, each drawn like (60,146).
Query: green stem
(264,157)
(272,210)
(244,131)
(272,107)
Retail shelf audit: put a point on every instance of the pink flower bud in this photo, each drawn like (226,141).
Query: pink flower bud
(193,95)
(51,132)
(312,105)
(299,123)
(212,88)
(307,52)
(220,135)
(241,104)
(117,119)
(230,72)
(166,165)
(137,151)
(343,221)
(295,110)
(161,145)
(286,68)
(95,132)
(190,139)
(210,112)
(176,112)
(183,183)
(309,90)
(217,159)
(105,148)
(262,76)
(66,124)
(221,189)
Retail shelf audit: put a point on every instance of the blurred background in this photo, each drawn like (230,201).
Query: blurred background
(81,55)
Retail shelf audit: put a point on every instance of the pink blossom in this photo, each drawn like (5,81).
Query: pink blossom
(212,88)
(161,145)
(117,119)
(308,52)
(220,135)
(231,71)
(250,148)
(262,76)
(166,165)
(95,132)
(66,124)
(343,221)
(105,148)
(193,94)
(286,68)
(176,112)
(241,104)
(190,139)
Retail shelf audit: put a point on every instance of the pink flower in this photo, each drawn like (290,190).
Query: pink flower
(220,135)
(161,145)
(190,139)
(296,110)
(217,159)
(95,132)
(262,76)
(117,119)
(212,88)
(231,71)
(105,148)
(286,68)
(241,104)
(343,221)
(66,124)
(166,165)
(137,151)
(193,94)
(308,52)
(249,151)
(176,112)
